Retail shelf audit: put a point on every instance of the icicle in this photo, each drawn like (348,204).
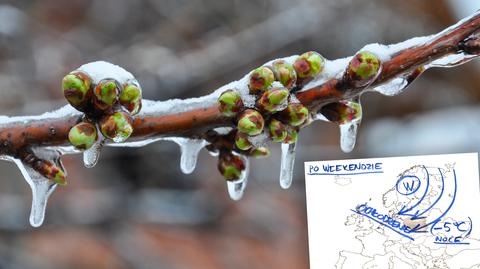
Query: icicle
(91,155)
(41,187)
(349,129)
(237,188)
(189,149)
(286,165)
(348,135)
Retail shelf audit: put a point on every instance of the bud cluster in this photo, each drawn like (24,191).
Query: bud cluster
(275,112)
(108,107)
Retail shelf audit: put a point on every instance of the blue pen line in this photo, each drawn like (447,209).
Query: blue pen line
(452,243)
(402,234)
(439,197)
(449,207)
(403,211)
(344,174)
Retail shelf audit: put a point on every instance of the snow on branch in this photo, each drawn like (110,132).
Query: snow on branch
(235,123)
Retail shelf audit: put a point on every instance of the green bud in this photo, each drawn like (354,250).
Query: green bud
(250,122)
(76,89)
(49,170)
(242,142)
(292,135)
(362,69)
(117,126)
(273,99)
(230,103)
(342,112)
(230,166)
(260,79)
(309,64)
(260,152)
(106,94)
(295,114)
(57,175)
(277,130)
(131,98)
(284,73)
(83,135)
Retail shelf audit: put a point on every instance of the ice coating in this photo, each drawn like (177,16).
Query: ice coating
(189,149)
(63,112)
(287,162)
(348,135)
(331,69)
(393,87)
(223,130)
(6,158)
(136,144)
(319,116)
(41,187)
(451,60)
(237,188)
(398,84)
(260,140)
(100,70)
(91,155)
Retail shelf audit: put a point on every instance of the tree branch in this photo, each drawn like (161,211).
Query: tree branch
(256,109)
(407,59)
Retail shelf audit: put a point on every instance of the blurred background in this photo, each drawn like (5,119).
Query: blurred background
(136,209)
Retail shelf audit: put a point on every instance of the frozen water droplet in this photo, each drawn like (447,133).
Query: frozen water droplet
(91,155)
(452,60)
(397,85)
(237,188)
(189,149)
(41,187)
(286,165)
(348,135)
(393,87)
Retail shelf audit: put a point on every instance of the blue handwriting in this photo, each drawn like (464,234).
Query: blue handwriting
(346,169)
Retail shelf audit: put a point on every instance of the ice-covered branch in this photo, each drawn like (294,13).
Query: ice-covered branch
(271,103)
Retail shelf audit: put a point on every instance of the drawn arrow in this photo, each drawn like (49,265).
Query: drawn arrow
(421,214)
(406,211)
(443,202)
